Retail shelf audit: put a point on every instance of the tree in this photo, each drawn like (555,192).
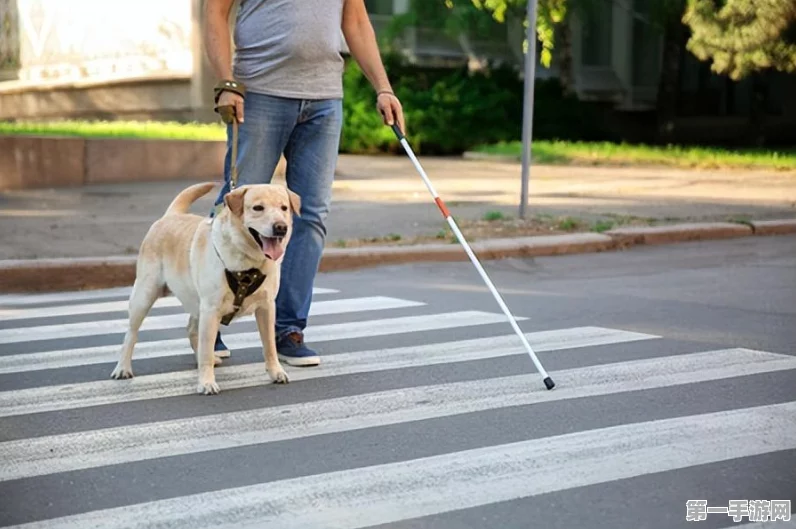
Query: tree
(551,15)
(460,18)
(743,36)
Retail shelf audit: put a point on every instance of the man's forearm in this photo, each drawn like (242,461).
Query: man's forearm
(217,37)
(361,40)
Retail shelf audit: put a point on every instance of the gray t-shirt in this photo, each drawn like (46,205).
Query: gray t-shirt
(290,48)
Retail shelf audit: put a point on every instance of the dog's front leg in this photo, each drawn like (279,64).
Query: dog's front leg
(208,328)
(266,320)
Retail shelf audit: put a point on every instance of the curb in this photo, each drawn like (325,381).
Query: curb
(679,233)
(337,259)
(774,227)
(55,275)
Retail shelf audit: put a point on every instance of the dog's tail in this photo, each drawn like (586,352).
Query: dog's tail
(188,196)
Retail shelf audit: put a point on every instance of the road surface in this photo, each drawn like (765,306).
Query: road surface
(676,380)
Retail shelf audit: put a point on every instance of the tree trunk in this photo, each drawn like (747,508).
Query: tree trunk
(757,111)
(669,84)
(566,76)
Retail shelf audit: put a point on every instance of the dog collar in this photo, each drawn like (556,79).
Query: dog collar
(243,284)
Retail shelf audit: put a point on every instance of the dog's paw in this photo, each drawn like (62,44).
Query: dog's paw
(122,372)
(279,376)
(217,361)
(207,388)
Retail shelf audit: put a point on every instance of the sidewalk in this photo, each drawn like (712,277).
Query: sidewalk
(379,196)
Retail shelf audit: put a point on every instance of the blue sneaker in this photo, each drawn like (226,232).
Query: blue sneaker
(292,351)
(220,350)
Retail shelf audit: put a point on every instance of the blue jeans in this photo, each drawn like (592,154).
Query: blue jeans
(308,133)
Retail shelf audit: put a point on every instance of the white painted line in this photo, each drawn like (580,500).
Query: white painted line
(59,297)
(90,449)
(11,314)
(380,494)
(74,310)
(103,392)
(173,321)
(318,291)
(318,333)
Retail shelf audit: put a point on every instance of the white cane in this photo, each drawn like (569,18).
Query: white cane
(548,382)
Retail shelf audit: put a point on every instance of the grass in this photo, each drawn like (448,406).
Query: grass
(488,227)
(494,215)
(602,226)
(155,130)
(559,152)
(569,224)
(549,152)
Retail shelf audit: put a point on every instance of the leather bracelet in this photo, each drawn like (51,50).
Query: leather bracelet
(228,85)
(390,92)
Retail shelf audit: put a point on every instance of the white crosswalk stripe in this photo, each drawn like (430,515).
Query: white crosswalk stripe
(63,297)
(32,457)
(21,300)
(459,480)
(319,333)
(174,321)
(92,308)
(71,396)
(81,428)
(74,310)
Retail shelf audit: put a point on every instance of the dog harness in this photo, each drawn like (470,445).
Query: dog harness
(243,285)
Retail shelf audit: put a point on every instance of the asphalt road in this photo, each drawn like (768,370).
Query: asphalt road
(676,380)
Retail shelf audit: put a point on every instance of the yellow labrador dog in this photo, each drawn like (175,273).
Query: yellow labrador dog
(220,269)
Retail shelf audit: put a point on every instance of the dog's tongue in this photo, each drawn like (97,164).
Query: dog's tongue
(271,248)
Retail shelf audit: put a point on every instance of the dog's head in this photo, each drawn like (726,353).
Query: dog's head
(265,212)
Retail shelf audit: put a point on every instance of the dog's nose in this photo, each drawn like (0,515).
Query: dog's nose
(280,229)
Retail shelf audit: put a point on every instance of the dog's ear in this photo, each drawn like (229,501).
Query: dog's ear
(295,202)
(234,201)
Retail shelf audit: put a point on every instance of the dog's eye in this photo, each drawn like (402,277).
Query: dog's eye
(258,208)
(284,208)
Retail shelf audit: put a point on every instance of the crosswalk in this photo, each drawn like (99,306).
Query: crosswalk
(416,413)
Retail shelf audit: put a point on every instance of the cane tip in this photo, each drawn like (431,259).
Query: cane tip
(548,383)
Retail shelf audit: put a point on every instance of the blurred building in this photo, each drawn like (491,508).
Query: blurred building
(616,62)
(143,59)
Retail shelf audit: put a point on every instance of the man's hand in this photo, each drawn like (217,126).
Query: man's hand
(234,100)
(391,110)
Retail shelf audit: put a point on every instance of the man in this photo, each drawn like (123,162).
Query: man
(288,61)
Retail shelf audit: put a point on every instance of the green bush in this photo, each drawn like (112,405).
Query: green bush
(363,129)
(450,110)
